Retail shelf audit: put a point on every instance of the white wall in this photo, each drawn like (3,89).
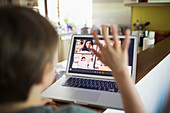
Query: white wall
(77,11)
(52,6)
(41,7)
(110,12)
(153,88)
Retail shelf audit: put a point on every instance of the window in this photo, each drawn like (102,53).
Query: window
(77,12)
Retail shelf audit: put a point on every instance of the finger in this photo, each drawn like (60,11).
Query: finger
(46,101)
(105,36)
(95,52)
(115,35)
(126,41)
(94,33)
(99,55)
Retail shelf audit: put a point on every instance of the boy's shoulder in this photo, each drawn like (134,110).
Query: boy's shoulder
(49,109)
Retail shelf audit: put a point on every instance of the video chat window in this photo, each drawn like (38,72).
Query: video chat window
(82,46)
(85,59)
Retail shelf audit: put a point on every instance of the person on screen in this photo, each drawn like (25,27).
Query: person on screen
(91,64)
(88,44)
(79,45)
(85,48)
(83,63)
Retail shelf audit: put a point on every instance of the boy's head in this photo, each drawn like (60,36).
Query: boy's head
(27,44)
(83,59)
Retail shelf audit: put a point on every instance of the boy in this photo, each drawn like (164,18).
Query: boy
(27,53)
(27,45)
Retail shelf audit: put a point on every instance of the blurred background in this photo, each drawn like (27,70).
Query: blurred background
(149,20)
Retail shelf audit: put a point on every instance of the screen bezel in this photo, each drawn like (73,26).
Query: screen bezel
(99,76)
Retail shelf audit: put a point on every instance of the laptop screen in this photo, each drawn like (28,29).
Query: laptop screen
(83,61)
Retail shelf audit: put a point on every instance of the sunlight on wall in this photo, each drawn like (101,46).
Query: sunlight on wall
(41,6)
(52,10)
(78,12)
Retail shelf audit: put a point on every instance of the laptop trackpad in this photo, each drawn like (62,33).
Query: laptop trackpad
(86,96)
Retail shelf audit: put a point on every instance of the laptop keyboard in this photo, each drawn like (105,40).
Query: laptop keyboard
(86,83)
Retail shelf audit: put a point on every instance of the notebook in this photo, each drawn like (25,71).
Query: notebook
(87,80)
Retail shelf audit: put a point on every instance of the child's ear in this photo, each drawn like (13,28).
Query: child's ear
(47,75)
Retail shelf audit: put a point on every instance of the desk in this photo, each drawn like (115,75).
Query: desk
(146,61)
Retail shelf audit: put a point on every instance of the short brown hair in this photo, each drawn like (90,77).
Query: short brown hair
(27,42)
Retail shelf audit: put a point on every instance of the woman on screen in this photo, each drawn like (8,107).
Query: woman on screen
(88,44)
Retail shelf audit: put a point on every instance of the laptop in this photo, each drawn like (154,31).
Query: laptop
(87,80)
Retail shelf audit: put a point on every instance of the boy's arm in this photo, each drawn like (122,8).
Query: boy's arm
(116,58)
(131,100)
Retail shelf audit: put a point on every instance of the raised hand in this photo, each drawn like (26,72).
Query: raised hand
(116,57)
